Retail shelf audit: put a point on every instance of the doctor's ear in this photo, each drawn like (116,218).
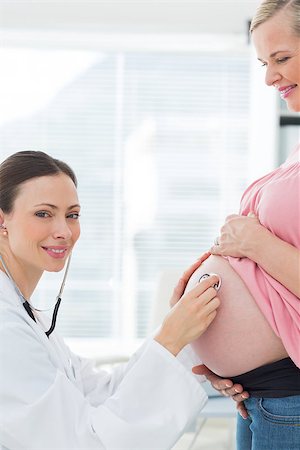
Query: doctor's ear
(3,228)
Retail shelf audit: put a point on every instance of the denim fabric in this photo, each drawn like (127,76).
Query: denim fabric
(274,424)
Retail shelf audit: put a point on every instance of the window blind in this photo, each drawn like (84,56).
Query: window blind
(159,142)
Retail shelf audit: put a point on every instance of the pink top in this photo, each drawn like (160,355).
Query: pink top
(275,199)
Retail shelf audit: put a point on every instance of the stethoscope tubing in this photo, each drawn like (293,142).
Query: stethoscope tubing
(29,308)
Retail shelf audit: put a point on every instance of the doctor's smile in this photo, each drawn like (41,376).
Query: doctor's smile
(56,252)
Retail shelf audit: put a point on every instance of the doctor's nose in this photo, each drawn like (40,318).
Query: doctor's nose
(62,230)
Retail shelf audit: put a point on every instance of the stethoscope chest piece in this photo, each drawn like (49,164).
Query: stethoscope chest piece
(216,286)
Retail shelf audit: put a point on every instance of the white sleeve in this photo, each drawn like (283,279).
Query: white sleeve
(189,359)
(40,408)
(153,404)
(98,385)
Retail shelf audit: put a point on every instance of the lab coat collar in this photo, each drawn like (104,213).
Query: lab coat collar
(7,287)
(9,299)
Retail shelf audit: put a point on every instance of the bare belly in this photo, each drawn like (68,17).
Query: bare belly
(240,338)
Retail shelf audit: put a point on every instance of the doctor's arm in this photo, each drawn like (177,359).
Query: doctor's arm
(244,236)
(99,388)
(42,406)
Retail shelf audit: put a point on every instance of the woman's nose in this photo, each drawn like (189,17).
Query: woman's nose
(272,76)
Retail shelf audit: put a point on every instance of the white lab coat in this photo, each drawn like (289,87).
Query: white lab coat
(52,399)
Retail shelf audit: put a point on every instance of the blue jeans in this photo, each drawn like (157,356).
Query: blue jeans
(274,424)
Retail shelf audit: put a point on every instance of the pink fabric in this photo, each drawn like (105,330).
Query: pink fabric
(275,199)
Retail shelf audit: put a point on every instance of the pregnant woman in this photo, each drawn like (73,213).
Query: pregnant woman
(255,337)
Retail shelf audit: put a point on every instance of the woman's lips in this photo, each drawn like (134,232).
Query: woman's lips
(56,252)
(286,91)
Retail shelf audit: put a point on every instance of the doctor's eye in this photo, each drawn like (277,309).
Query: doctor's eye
(42,214)
(74,215)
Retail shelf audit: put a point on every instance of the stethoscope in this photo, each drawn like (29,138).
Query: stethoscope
(26,304)
(217,285)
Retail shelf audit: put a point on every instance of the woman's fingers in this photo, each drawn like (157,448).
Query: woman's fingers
(227,388)
(242,410)
(217,382)
(224,385)
(202,370)
(240,397)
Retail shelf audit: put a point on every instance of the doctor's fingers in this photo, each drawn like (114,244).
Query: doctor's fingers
(207,297)
(204,314)
(189,272)
(184,279)
(203,289)
(211,306)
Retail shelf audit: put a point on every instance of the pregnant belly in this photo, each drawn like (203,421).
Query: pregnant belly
(240,338)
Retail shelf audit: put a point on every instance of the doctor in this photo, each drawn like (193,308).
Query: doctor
(50,398)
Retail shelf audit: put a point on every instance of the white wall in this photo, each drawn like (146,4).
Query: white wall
(174,16)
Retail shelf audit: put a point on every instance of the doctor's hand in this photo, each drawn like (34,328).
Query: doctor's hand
(237,236)
(190,317)
(226,387)
(183,281)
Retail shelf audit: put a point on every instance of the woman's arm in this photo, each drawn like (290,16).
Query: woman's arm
(226,388)
(244,236)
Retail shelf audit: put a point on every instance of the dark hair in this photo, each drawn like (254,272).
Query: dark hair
(23,166)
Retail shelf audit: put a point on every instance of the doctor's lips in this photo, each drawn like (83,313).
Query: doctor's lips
(57,251)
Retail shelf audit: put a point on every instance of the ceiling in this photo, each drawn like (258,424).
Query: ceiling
(135,16)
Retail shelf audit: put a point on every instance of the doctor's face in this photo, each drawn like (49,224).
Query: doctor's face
(278,48)
(43,225)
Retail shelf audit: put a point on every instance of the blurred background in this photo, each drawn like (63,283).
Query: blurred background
(160,107)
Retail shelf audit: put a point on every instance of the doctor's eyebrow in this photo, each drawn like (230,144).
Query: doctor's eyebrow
(56,207)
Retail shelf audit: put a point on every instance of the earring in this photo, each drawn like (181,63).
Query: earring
(4,230)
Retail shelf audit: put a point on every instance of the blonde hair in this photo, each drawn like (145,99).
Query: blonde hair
(270,8)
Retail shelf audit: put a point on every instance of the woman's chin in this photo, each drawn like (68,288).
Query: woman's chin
(293,106)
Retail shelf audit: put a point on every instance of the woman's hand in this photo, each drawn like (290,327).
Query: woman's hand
(237,236)
(225,387)
(244,236)
(190,316)
(183,281)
